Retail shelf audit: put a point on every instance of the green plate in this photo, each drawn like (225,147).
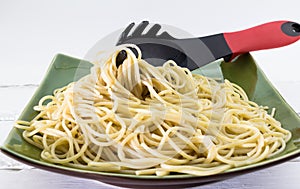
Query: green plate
(243,71)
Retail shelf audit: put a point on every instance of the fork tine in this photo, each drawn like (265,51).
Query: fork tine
(127,30)
(140,28)
(153,30)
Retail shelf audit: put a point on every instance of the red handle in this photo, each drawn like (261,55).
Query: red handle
(265,36)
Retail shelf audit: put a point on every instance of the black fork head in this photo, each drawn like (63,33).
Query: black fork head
(156,48)
(139,32)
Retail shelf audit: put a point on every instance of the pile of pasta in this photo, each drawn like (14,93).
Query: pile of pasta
(135,118)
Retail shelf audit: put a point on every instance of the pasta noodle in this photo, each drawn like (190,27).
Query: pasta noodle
(139,119)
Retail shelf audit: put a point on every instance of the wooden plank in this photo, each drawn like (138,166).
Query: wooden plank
(13,99)
(7,163)
(282,176)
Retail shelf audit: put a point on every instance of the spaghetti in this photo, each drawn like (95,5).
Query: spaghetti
(144,120)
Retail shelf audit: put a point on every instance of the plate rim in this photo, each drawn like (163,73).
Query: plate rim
(147,181)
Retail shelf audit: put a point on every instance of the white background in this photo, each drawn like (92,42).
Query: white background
(32,32)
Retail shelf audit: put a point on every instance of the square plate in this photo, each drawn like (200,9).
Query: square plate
(243,71)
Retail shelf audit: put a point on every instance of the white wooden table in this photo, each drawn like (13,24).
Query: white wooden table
(32,32)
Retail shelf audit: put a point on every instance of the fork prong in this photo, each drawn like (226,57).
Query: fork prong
(125,33)
(140,28)
(153,30)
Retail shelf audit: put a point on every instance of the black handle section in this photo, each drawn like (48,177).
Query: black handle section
(218,46)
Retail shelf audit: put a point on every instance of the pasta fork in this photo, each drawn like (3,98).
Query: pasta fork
(196,52)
